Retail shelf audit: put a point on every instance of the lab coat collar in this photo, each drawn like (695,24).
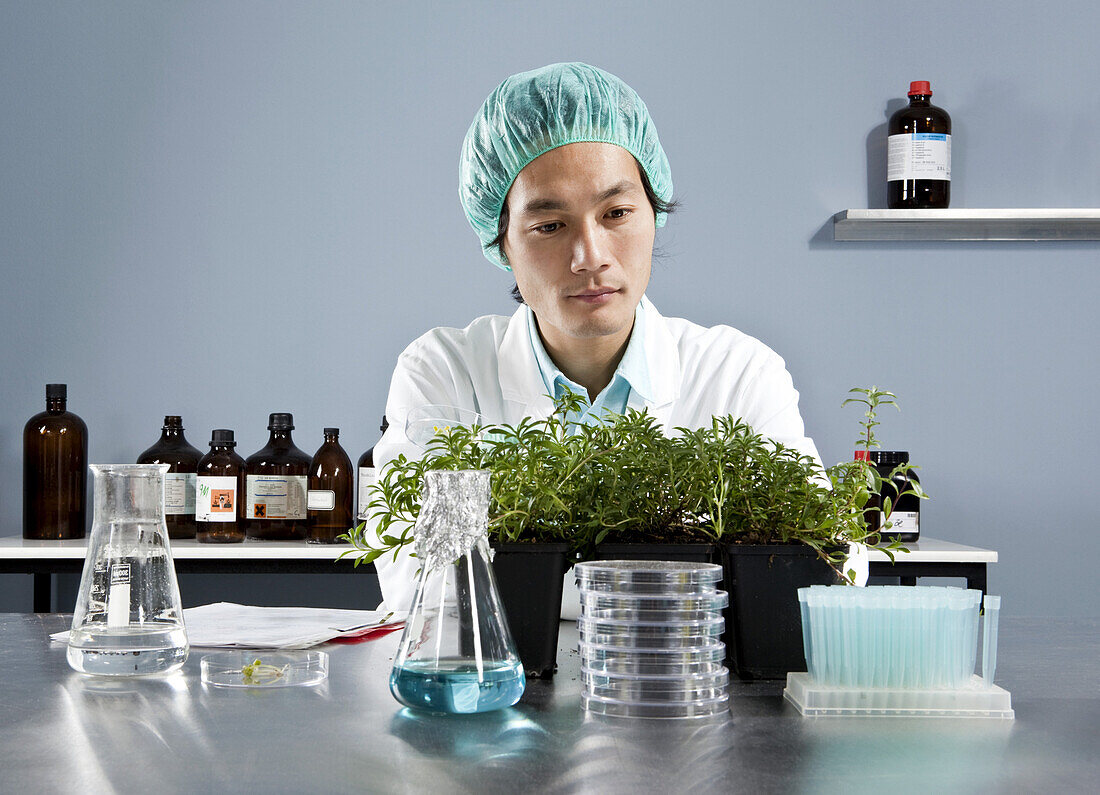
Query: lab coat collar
(521,382)
(663,360)
(520,379)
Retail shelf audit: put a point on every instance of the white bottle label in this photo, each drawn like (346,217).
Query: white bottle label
(918,156)
(179,493)
(903,522)
(216,498)
(368,476)
(320,500)
(276,496)
(118,596)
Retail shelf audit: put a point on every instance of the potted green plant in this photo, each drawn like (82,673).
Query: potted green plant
(640,500)
(561,493)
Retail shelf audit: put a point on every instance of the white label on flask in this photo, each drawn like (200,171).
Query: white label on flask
(276,496)
(904,522)
(118,596)
(321,500)
(216,498)
(179,493)
(368,476)
(918,156)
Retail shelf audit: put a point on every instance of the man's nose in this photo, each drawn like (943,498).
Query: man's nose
(590,250)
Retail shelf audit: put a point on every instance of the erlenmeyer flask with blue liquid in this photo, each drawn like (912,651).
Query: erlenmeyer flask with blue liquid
(456,654)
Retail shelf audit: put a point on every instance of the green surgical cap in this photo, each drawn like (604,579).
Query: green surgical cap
(533,112)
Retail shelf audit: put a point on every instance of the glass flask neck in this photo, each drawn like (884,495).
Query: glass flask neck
(55,405)
(128,492)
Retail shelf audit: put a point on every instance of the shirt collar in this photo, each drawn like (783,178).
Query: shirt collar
(633,367)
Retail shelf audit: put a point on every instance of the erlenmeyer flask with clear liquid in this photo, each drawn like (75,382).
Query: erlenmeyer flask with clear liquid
(456,654)
(128,618)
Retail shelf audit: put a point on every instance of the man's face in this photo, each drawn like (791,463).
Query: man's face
(580,242)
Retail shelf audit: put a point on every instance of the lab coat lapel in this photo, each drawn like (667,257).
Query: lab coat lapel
(521,384)
(663,360)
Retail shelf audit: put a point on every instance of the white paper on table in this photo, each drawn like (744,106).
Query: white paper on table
(225,624)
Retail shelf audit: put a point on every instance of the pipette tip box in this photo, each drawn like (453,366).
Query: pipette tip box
(974,700)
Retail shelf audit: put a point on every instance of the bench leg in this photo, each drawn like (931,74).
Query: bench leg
(43,582)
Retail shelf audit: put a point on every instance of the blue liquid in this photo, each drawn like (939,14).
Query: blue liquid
(453,686)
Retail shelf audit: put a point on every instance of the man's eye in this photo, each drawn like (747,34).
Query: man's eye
(619,212)
(546,229)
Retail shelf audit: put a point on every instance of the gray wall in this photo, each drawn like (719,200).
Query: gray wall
(223,209)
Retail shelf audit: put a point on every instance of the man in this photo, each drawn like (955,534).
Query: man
(564,180)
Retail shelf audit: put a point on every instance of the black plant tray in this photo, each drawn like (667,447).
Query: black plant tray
(529,578)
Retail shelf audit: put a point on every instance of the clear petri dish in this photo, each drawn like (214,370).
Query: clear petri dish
(641,689)
(648,576)
(633,615)
(603,600)
(254,668)
(424,422)
(670,662)
(701,708)
(681,635)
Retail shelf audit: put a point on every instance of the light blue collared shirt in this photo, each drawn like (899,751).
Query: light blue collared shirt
(632,373)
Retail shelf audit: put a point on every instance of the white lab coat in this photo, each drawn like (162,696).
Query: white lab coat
(489,367)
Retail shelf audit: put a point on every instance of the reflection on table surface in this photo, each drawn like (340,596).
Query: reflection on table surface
(63,731)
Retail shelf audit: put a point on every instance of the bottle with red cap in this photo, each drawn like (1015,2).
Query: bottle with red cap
(873,509)
(898,488)
(918,160)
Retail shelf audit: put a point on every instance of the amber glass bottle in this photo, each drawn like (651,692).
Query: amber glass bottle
(330,491)
(179,484)
(918,169)
(276,482)
(905,517)
(368,475)
(218,492)
(55,470)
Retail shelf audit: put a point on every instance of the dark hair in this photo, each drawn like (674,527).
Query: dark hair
(658,204)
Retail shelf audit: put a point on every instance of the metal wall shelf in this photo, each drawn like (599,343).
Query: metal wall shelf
(967,224)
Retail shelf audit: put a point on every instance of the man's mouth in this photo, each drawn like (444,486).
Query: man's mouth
(597,295)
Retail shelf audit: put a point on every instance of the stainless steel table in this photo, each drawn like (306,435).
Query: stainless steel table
(64,732)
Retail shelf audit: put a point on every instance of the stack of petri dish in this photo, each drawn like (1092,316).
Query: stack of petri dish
(650,639)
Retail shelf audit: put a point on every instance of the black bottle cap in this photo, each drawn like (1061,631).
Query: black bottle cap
(280,421)
(332,431)
(172,422)
(56,391)
(889,458)
(222,436)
